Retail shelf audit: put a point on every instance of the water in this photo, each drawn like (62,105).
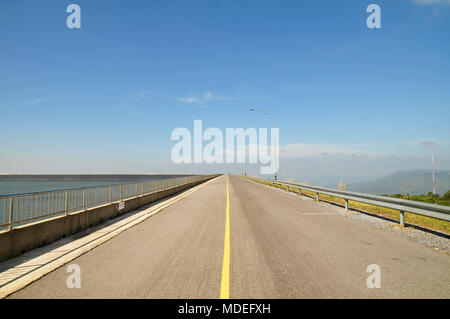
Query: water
(84,192)
(21,184)
(21,187)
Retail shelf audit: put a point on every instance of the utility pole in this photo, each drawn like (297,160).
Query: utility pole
(274,125)
(432,169)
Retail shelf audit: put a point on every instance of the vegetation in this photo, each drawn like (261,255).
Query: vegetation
(429,198)
(412,219)
(342,186)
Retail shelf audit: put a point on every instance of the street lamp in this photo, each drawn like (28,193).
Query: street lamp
(273,119)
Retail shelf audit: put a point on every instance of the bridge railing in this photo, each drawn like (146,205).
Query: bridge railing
(21,209)
(402,205)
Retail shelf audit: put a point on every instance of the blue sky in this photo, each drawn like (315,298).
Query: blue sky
(349,100)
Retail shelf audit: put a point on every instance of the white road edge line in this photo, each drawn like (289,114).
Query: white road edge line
(318,214)
(82,248)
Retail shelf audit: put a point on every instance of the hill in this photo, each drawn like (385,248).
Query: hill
(405,182)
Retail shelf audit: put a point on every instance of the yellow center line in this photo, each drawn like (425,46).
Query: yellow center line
(225,284)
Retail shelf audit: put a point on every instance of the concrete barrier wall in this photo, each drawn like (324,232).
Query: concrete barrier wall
(30,236)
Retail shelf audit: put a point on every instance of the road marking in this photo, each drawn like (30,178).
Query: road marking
(225,284)
(318,213)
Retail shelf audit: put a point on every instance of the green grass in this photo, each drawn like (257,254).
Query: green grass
(430,198)
(413,219)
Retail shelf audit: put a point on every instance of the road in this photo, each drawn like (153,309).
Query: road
(280,246)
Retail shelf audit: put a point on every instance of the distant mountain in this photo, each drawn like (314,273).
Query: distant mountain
(331,181)
(405,182)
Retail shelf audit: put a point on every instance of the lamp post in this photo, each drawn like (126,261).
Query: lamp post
(273,119)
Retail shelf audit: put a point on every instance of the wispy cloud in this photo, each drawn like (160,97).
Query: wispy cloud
(302,150)
(134,98)
(140,95)
(424,3)
(208,96)
(25,102)
(33,101)
(426,141)
(204,98)
(299,87)
(189,100)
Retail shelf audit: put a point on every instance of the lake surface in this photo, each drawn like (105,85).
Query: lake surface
(26,209)
(21,187)
(21,184)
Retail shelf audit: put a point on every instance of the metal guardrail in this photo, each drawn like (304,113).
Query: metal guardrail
(20,209)
(402,205)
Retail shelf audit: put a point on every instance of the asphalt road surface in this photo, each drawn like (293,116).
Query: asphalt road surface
(279,247)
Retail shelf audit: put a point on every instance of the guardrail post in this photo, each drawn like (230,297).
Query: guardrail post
(11,217)
(299,191)
(66,203)
(53,202)
(317,196)
(84,198)
(287,188)
(402,218)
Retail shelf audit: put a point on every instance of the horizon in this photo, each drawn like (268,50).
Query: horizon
(360,179)
(13,184)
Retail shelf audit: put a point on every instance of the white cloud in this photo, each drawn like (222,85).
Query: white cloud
(426,141)
(25,102)
(189,100)
(315,150)
(202,99)
(423,3)
(140,95)
(208,96)
(228,98)
(33,101)
(299,87)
